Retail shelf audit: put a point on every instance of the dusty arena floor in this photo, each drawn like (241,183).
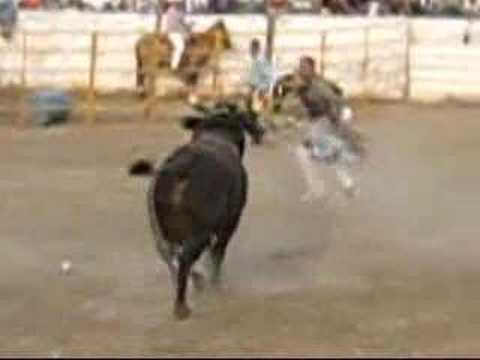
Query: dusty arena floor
(392,272)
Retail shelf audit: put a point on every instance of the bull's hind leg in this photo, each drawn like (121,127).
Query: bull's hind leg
(190,253)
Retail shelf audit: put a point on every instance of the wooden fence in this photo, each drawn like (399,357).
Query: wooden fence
(365,52)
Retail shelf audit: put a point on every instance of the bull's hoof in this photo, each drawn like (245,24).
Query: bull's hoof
(182,312)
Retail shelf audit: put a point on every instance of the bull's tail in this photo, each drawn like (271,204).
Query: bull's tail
(141,168)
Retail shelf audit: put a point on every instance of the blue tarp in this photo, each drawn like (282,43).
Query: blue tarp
(50,107)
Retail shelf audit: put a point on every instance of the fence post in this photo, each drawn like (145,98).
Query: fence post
(271,22)
(23,81)
(24,59)
(216,66)
(408,48)
(323,47)
(366,56)
(91,79)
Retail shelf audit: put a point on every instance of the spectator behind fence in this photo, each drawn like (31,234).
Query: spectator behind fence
(30,4)
(221,6)
(260,78)
(197,6)
(147,7)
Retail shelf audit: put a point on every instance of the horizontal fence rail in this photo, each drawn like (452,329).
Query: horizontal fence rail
(378,59)
(98,58)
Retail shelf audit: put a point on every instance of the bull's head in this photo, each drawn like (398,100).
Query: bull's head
(228,119)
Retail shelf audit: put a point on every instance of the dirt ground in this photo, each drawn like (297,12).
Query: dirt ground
(391,272)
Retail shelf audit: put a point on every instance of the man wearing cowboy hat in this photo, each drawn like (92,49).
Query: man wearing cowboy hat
(175,25)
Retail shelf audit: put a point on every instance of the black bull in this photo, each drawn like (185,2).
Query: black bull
(197,196)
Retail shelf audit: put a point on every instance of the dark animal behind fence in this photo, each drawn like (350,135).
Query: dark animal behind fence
(197,196)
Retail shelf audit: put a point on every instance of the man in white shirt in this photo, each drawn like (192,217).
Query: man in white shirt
(261,75)
(175,25)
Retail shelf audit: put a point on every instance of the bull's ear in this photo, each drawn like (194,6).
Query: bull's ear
(191,122)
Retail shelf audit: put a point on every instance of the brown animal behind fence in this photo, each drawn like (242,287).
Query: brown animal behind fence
(153,52)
